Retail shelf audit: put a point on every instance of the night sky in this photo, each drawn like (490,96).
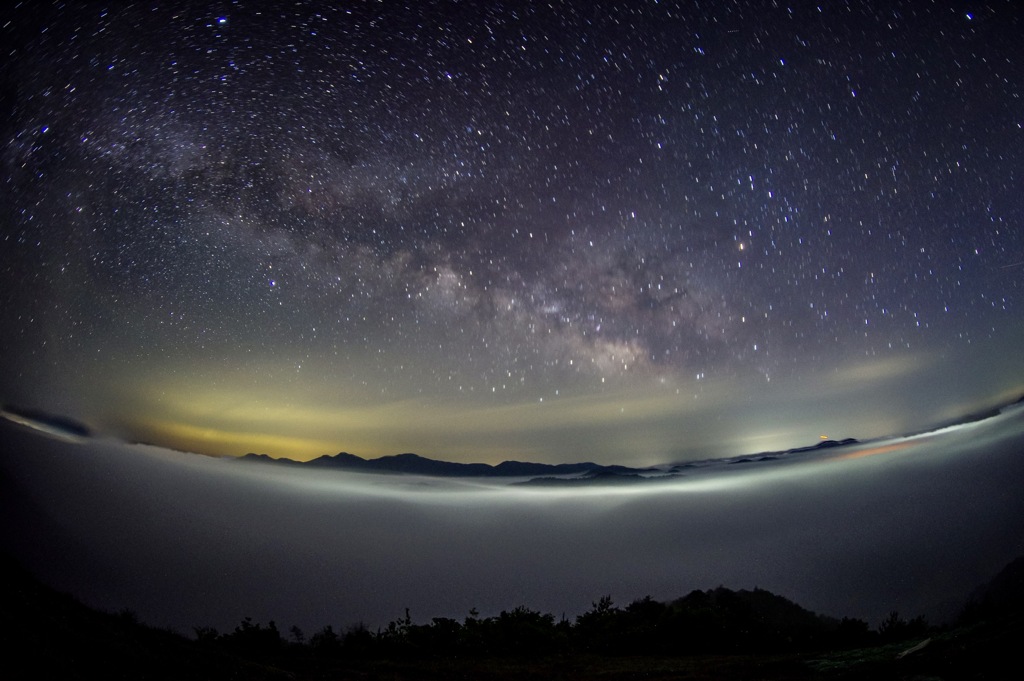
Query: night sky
(615,231)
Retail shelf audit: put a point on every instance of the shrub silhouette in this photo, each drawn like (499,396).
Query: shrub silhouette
(255,639)
(598,628)
(358,641)
(326,642)
(523,631)
(895,628)
(852,633)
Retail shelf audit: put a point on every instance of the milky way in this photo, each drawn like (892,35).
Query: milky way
(511,230)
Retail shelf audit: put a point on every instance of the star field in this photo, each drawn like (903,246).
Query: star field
(486,229)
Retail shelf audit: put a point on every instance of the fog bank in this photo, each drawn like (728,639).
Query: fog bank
(185,540)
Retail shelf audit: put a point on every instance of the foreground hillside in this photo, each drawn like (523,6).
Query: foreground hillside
(708,634)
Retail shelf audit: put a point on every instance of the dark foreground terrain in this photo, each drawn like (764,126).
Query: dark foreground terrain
(711,634)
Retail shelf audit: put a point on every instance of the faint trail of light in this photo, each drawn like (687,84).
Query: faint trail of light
(885,449)
(41,427)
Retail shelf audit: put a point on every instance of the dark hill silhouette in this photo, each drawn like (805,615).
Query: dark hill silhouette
(824,444)
(1003,596)
(404,463)
(524,468)
(266,458)
(49,635)
(719,621)
(816,447)
(726,621)
(766,456)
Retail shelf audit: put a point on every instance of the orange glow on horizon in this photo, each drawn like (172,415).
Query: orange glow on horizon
(885,449)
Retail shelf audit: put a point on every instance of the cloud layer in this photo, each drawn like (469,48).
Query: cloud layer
(183,540)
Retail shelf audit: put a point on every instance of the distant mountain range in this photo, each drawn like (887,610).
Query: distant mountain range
(586,472)
(419,465)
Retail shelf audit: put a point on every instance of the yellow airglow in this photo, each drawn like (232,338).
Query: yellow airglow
(235,409)
(222,441)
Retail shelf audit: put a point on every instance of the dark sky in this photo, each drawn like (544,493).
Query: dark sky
(629,231)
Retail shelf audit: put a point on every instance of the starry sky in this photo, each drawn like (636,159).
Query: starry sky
(631,232)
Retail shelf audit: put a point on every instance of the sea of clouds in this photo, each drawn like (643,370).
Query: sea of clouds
(183,540)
